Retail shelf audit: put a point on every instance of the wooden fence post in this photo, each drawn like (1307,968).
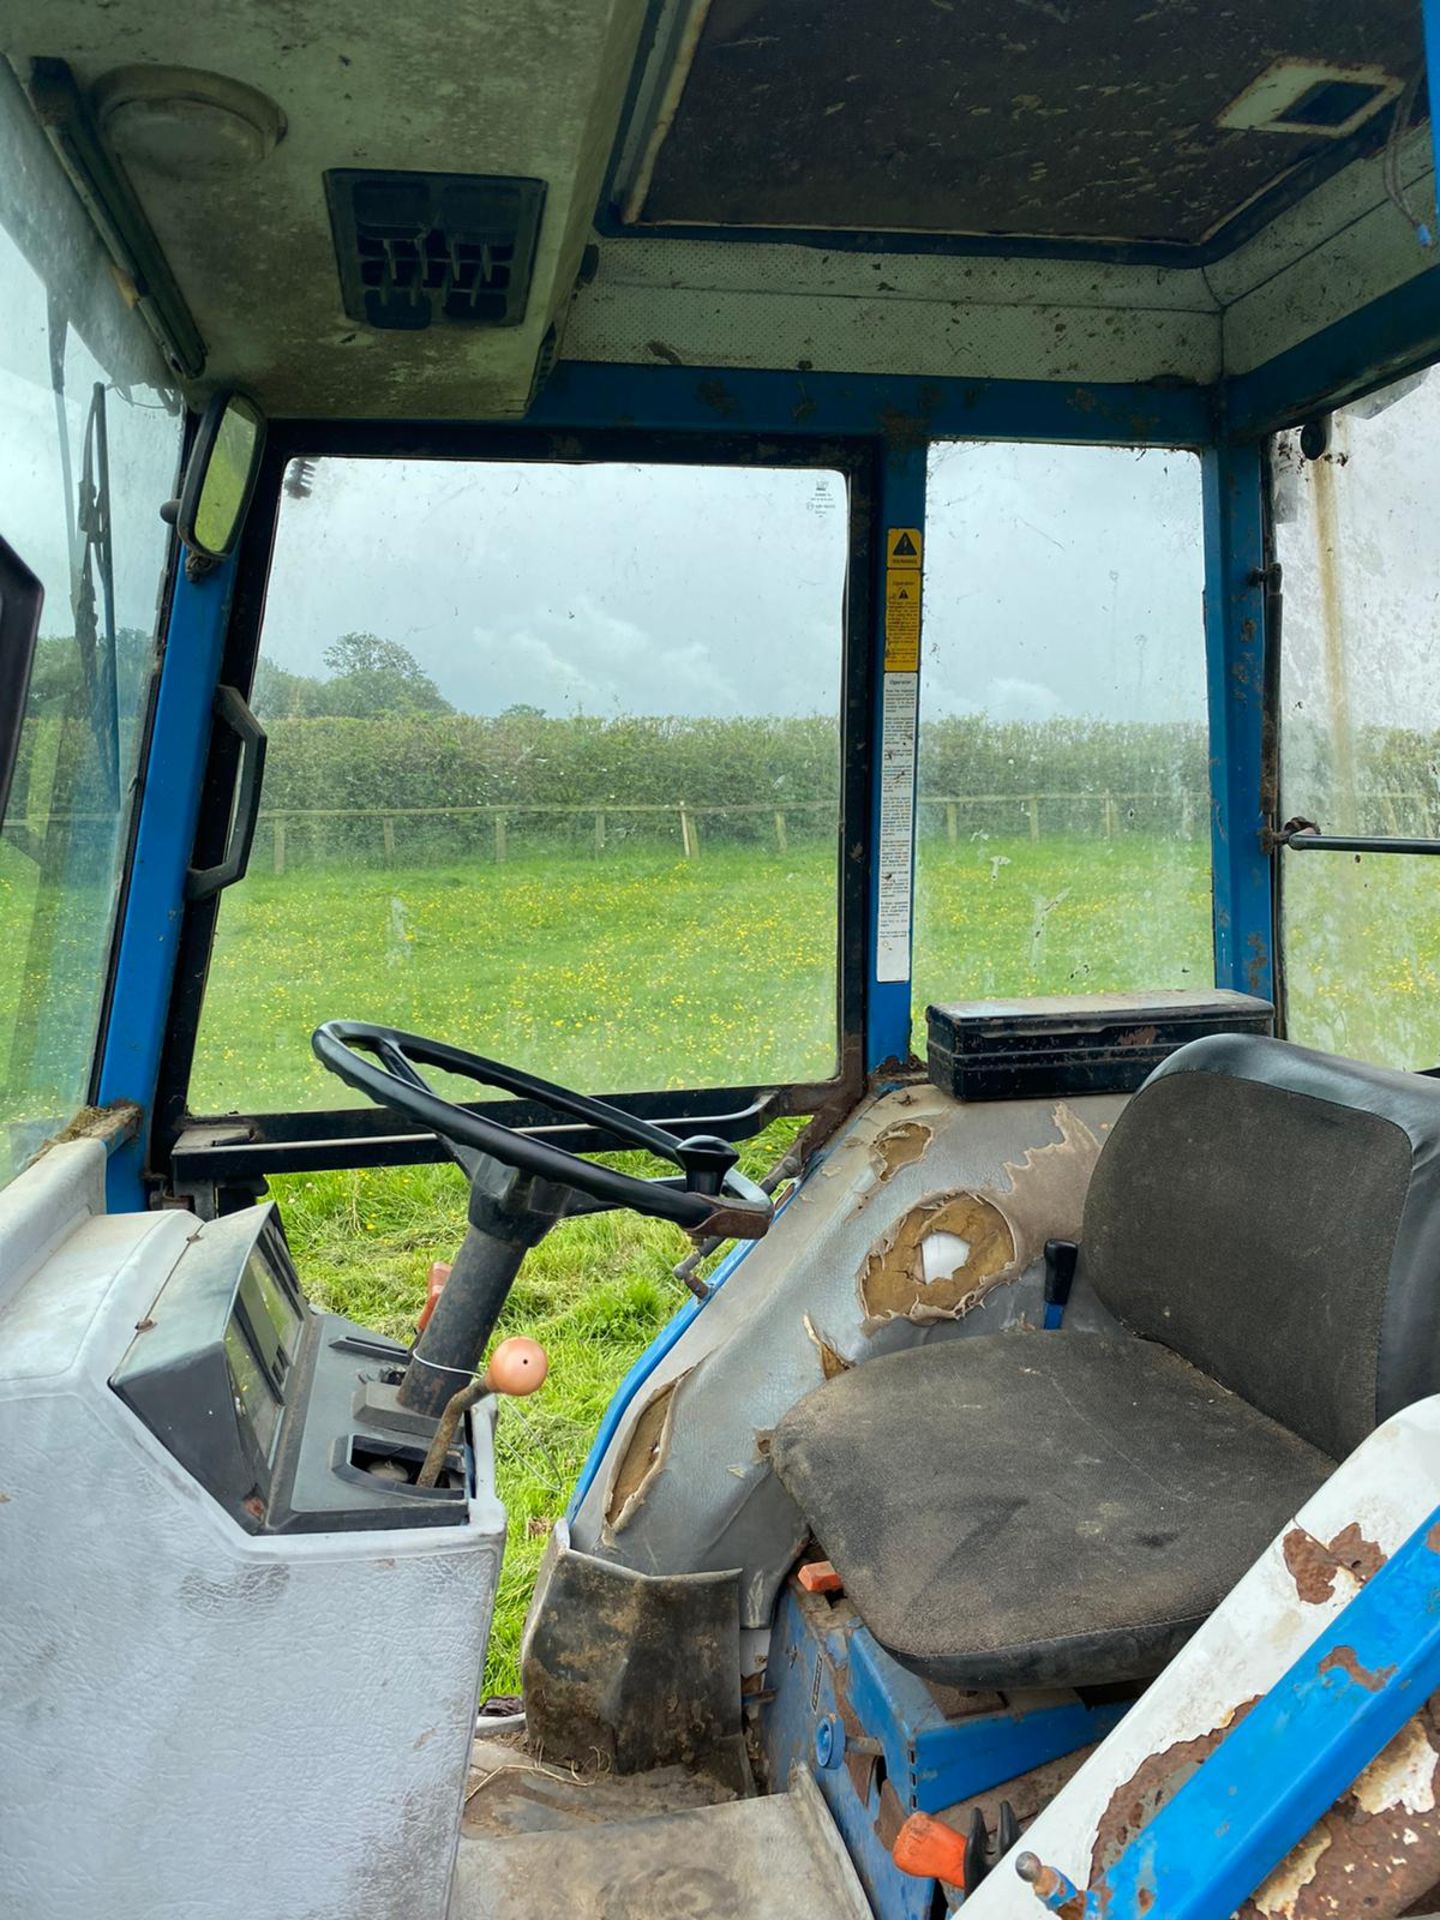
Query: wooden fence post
(1032,807)
(781,839)
(952,822)
(599,831)
(387,829)
(279,846)
(500,848)
(689,840)
(1109,817)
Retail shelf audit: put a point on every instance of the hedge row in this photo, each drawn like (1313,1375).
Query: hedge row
(460,760)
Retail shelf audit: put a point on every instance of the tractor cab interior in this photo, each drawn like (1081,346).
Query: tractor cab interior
(814,626)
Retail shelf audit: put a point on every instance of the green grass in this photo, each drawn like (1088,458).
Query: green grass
(634,970)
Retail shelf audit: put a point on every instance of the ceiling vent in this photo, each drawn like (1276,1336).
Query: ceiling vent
(434,249)
(1307,97)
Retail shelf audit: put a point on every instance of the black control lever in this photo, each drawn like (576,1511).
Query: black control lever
(705,1160)
(1060,1259)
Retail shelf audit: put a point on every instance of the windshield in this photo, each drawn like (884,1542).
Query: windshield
(89,442)
(554,770)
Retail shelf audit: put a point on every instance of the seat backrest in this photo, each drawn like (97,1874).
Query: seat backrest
(1273,1216)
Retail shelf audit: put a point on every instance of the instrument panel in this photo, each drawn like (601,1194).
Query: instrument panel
(285,1415)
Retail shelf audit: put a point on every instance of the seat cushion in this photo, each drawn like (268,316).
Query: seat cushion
(1038,1510)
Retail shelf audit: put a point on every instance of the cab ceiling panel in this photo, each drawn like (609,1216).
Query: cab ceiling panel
(1172,127)
(501,116)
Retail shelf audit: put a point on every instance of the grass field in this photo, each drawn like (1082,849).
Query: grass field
(639,970)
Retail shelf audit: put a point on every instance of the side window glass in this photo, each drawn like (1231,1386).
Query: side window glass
(554,773)
(89,442)
(1063,830)
(1360,724)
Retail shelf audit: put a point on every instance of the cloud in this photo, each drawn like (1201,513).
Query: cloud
(1005,699)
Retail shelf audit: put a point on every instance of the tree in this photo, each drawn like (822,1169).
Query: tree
(278,694)
(372,676)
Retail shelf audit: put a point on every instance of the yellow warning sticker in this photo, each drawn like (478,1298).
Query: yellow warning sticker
(902,621)
(903,547)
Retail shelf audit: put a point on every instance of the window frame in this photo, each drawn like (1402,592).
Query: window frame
(244,1147)
(1283,837)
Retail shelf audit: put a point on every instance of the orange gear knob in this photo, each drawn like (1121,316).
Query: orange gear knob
(930,1850)
(517,1367)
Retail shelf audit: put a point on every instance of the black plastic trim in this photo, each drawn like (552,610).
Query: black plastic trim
(232,710)
(241,1149)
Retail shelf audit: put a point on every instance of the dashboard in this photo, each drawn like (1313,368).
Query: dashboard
(285,1415)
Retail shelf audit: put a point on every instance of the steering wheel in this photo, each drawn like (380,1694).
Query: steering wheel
(709,1196)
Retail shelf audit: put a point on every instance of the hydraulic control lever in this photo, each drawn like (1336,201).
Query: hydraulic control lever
(933,1850)
(517,1367)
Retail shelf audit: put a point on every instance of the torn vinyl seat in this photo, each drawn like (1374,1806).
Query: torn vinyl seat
(1064,1509)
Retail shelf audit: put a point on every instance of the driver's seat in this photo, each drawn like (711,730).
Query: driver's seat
(1064,1509)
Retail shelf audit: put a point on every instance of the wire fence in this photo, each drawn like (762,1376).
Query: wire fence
(289,837)
(401,836)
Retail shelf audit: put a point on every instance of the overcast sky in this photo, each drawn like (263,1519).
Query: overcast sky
(1059,581)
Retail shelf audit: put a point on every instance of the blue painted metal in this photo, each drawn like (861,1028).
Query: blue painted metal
(1235,656)
(1430,21)
(904,412)
(945,1760)
(1293,1755)
(831,1686)
(148,937)
(887,1004)
(805,1658)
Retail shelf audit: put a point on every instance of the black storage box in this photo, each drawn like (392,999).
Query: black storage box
(1080,1043)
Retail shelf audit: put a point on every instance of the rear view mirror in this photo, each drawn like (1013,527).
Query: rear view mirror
(220,475)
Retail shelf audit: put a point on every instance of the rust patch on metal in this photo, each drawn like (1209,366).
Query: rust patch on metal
(1157,1780)
(644,1456)
(1343,1660)
(899,1146)
(1377,1851)
(1432,1538)
(1280,1892)
(719,398)
(1315,1567)
(832,1361)
(890,1818)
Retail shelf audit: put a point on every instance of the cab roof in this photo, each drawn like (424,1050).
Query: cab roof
(1130,190)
